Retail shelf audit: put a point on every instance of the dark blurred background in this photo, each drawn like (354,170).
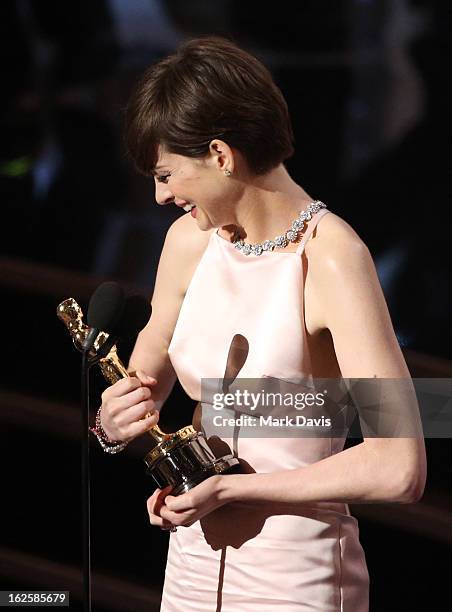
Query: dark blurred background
(368,85)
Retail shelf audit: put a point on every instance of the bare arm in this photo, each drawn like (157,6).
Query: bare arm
(150,353)
(121,416)
(183,247)
(355,312)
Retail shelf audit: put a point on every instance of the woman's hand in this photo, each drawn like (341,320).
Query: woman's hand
(154,506)
(168,511)
(128,409)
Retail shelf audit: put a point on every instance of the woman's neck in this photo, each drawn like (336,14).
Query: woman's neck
(267,206)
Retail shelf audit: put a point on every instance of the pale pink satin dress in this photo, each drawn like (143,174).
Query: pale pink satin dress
(245,558)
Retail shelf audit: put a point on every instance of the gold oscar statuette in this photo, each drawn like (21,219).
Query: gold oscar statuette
(182,459)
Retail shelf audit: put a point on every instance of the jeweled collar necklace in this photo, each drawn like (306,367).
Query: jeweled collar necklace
(280,242)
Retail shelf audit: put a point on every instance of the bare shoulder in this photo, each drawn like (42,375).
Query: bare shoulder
(347,293)
(185,229)
(337,258)
(333,233)
(186,239)
(335,244)
(185,243)
(183,246)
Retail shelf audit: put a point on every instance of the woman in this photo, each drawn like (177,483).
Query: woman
(213,129)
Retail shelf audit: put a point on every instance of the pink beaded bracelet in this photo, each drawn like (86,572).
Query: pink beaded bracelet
(109,446)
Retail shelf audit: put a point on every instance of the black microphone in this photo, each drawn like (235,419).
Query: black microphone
(104,311)
(134,317)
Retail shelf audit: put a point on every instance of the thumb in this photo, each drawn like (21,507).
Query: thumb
(145,379)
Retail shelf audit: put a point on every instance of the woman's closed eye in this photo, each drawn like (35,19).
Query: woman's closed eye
(162,178)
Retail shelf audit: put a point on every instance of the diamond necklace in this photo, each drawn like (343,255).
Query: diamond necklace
(291,235)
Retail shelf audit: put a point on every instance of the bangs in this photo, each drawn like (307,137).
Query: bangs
(143,134)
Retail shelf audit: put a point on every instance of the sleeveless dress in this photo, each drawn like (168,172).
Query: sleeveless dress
(249,558)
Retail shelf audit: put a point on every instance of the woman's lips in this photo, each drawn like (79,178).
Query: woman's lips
(191,208)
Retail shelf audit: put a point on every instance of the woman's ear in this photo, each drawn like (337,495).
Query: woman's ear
(222,156)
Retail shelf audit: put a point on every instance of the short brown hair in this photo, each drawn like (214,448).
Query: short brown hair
(208,89)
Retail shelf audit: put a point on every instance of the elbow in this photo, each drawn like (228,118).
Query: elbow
(402,477)
(409,489)
(411,494)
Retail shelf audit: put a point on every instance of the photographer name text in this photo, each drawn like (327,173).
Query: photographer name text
(269,421)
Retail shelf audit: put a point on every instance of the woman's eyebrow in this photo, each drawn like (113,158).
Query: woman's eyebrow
(156,169)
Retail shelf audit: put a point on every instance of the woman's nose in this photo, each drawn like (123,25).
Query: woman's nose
(163,195)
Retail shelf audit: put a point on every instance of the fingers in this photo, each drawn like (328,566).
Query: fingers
(179,504)
(125,386)
(178,519)
(137,420)
(122,386)
(154,505)
(118,404)
(124,406)
(161,516)
(135,412)
(142,426)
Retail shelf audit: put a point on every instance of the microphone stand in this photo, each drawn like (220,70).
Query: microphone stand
(87,363)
